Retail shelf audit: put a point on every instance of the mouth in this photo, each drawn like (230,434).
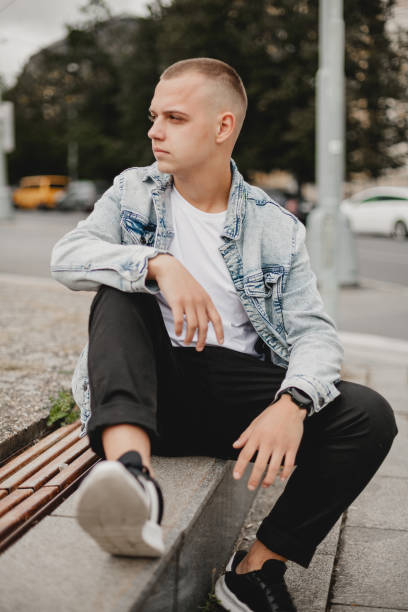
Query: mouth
(159,151)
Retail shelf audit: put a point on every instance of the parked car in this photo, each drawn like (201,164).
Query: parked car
(379,210)
(81,195)
(40,191)
(295,204)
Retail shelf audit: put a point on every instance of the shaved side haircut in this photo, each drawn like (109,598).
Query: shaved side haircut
(215,70)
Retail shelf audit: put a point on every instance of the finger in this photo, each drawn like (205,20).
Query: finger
(259,468)
(216,322)
(244,458)
(202,328)
(243,438)
(289,465)
(191,324)
(273,469)
(178,316)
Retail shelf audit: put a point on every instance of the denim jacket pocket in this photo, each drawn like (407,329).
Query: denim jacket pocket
(265,290)
(273,281)
(265,283)
(136,228)
(254,286)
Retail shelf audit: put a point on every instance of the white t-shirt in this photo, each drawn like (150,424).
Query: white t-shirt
(195,245)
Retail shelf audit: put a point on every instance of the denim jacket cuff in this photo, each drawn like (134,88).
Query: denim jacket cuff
(142,283)
(321,394)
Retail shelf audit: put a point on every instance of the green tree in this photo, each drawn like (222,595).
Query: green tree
(376,67)
(274,46)
(140,73)
(67,93)
(96,85)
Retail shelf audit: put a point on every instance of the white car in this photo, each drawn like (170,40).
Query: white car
(379,210)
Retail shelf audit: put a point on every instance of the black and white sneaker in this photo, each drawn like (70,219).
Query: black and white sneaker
(261,591)
(121,507)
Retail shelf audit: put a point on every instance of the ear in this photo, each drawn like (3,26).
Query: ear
(225,127)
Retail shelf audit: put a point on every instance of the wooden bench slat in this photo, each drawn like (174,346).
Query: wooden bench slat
(3,493)
(36,480)
(13,499)
(79,465)
(25,509)
(23,473)
(31,453)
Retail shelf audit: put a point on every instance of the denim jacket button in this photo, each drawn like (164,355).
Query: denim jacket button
(321,401)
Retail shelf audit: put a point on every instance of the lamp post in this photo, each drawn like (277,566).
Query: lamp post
(330,240)
(72,147)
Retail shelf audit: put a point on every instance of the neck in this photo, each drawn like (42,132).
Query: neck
(208,188)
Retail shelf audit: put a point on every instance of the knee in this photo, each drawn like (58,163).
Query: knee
(380,415)
(108,299)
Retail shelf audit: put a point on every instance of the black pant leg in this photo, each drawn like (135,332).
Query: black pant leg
(129,351)
(342,448)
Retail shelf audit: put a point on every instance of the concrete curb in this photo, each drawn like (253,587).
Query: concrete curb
(18,441)
(202,499)
(374,342)
(370,283)
(34,281)
(369,349)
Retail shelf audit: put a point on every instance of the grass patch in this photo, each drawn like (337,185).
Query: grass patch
(63,409)
(211,605)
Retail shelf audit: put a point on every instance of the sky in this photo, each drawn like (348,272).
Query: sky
(26,26)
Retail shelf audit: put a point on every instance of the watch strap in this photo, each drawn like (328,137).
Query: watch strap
(300,398)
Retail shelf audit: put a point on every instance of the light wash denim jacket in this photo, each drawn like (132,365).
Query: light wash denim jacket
(264,251)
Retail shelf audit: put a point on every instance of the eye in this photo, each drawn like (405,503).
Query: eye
(151,117)
(175,118)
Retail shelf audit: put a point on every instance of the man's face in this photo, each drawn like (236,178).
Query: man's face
(184,118)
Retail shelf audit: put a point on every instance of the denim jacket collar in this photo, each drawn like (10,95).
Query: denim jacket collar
(236,201)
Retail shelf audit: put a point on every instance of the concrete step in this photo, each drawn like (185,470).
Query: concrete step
(57,566)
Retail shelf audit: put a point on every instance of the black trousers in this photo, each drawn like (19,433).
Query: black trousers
(198,403)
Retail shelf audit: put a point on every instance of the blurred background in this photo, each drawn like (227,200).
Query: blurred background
(80,76)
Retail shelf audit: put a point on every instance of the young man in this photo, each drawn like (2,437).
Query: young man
(208,336)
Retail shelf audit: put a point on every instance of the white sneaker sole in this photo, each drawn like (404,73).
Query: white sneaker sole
(227,599)
(113,508)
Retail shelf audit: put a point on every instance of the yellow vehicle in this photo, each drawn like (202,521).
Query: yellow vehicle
(40,191)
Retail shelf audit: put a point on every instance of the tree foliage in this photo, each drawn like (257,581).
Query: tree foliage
(94,87)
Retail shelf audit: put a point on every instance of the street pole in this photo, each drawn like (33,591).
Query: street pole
(5,203)
(330,143)
(72,148)
(330,241)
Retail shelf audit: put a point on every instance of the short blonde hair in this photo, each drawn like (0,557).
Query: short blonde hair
(216,70)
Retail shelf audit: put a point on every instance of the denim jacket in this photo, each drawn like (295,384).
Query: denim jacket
(264,251)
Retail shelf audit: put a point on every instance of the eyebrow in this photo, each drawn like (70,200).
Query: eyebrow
(169,112)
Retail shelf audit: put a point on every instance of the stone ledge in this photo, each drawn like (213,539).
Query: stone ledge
(64,569)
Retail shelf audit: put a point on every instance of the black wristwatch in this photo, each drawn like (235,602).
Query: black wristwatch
(300,398)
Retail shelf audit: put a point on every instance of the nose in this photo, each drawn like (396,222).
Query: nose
(156,131)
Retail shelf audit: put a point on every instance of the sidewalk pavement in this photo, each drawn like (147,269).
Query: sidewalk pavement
(362,564)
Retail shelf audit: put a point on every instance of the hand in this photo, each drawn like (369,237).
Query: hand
(275,433)
(185,296)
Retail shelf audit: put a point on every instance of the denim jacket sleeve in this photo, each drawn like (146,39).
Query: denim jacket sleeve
(92,254)
(315,351)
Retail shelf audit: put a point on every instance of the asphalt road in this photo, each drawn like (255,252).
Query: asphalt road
(27,239)
(379,306)
(383,259)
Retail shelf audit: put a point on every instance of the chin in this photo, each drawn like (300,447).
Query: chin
(164,166)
